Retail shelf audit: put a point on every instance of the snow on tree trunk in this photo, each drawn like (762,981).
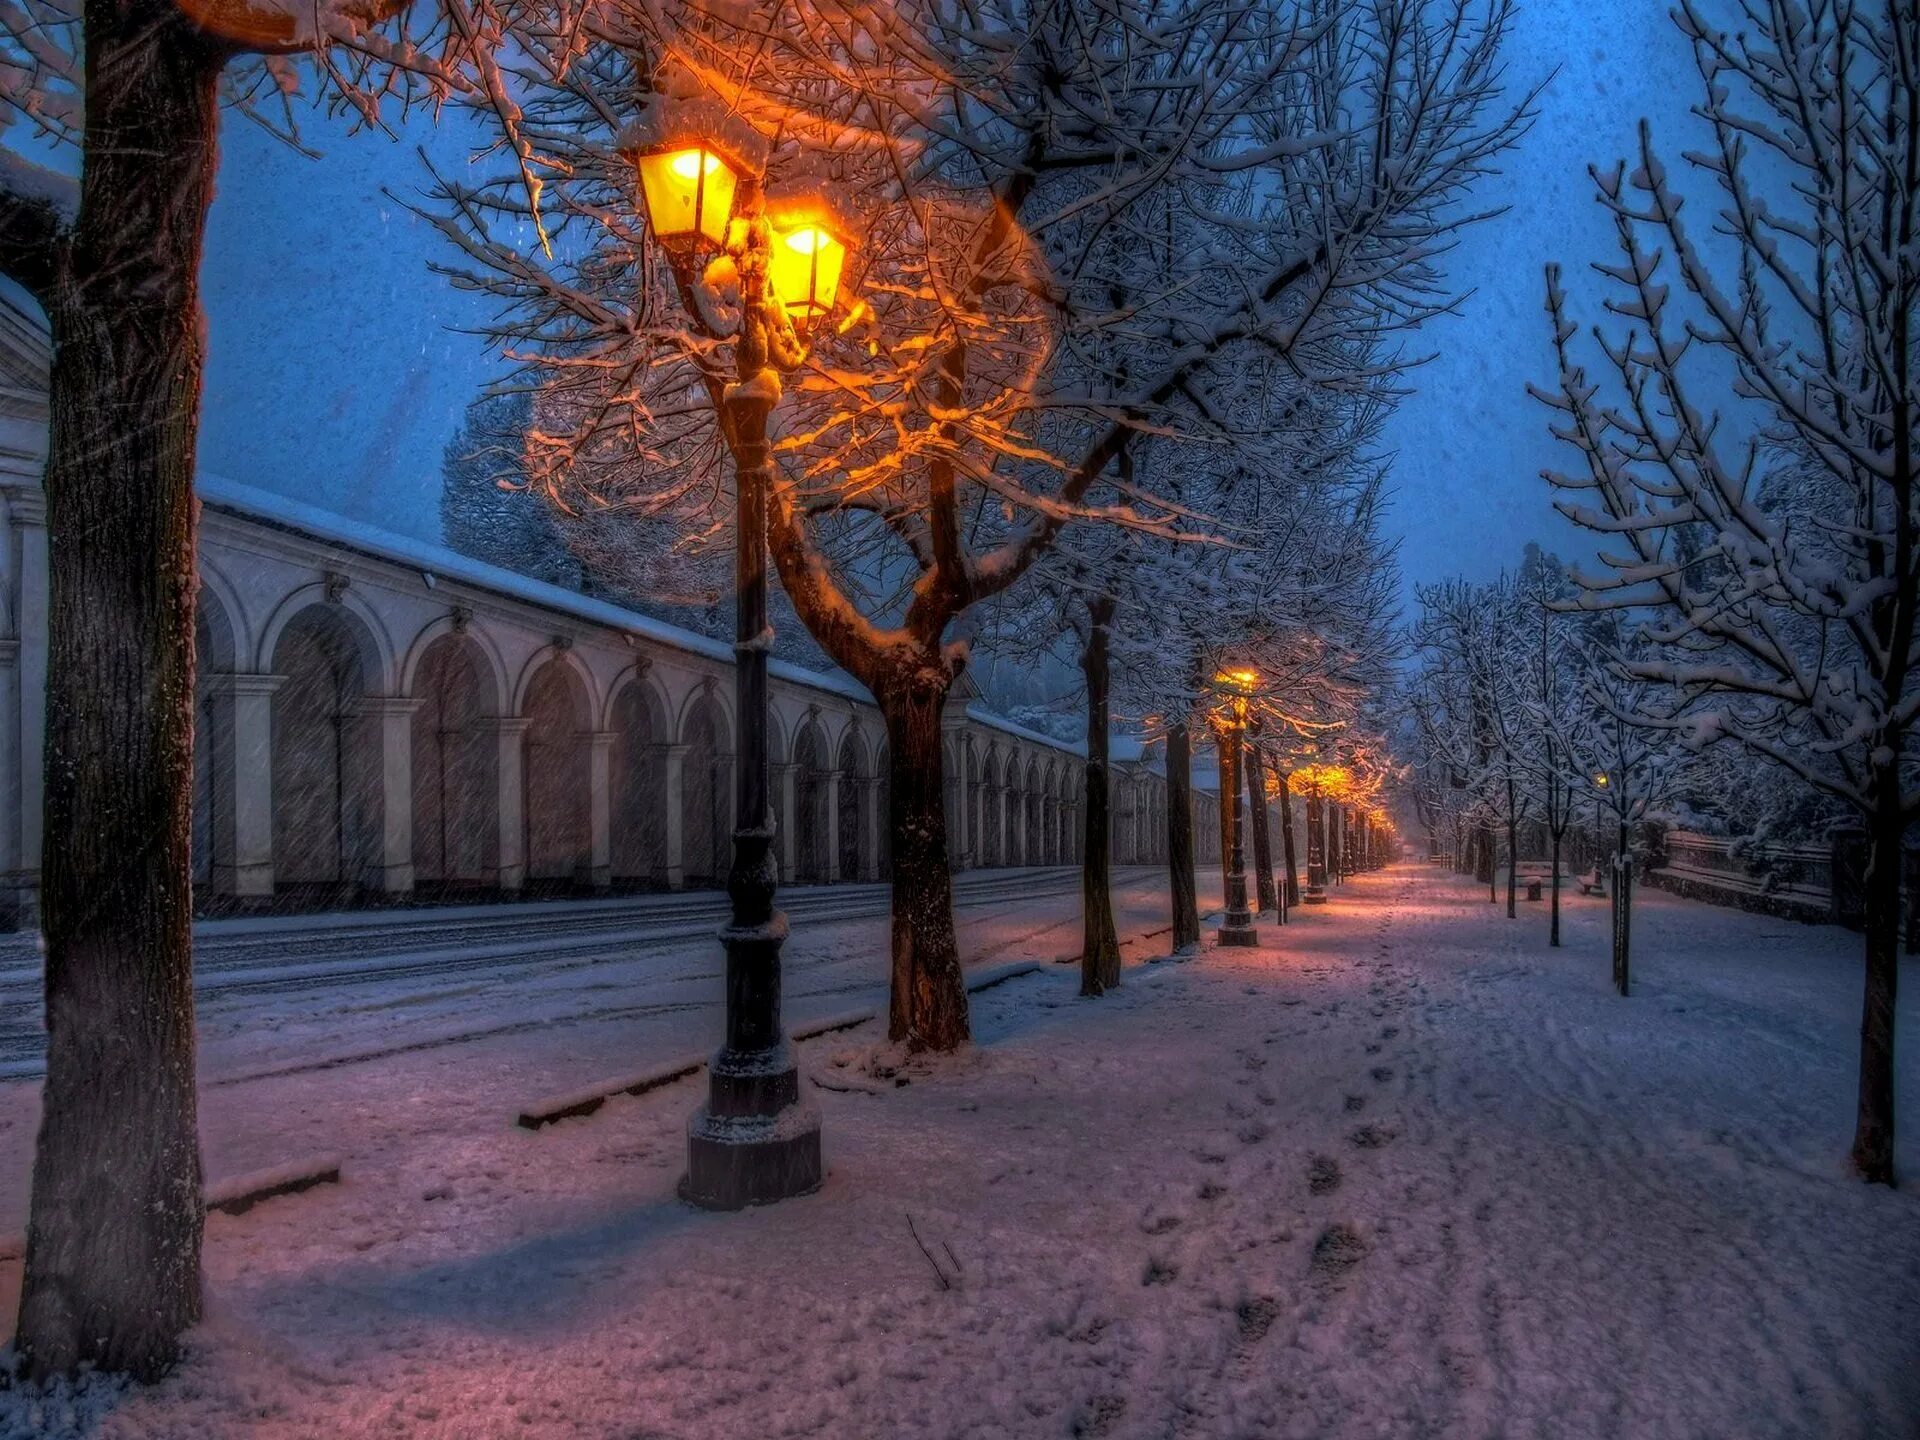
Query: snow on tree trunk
(113,1240)
(1100,943)
(1180,878)
(927,1007)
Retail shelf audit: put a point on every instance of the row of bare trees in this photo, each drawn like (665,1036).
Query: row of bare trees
(1084,233)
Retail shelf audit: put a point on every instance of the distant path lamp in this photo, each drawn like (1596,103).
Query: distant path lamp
(1238,687)
(756,1140)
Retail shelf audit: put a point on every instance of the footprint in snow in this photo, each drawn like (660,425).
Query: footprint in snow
(1160,1224)
(1356,1102)
(1212,1190)
(1256,1317)
(1382,1073)
(1370,1137)
(1337,1251)
(1323,1175)
(1102,1413)
(1160,1272)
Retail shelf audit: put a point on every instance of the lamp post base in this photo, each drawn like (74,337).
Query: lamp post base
(1314,896)
(754,1142)
(1242,935)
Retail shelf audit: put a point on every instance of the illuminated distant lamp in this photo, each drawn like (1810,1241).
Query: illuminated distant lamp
(1601,780)
(689,195)
(804,268)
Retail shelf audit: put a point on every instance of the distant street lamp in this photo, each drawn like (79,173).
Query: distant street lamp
(755,1140)
(1239,685)
(1599,789)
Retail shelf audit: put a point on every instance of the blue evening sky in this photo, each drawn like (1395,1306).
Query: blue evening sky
(338,369)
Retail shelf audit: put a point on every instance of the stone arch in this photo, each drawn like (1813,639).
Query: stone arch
(555,768)
(1050,813)
(327,806)
(853,778)
(636,768)
(706,780)
(990,805)
(813,864)
(371,634)
(456,763)
(1033,854)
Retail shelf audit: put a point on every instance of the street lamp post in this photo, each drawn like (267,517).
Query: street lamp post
(1599,789)
(755,1140)
(1237,929)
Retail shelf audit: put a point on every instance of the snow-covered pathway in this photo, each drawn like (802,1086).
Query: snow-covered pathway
(1406,1172)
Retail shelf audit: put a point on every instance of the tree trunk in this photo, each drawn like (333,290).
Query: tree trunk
(927,1006)
(1265,898)
(1226,809)
(1622,915)
(1513,864)
(1554,933)
(1873,1131)
(1180,878)
(1100,943)
(113,1239)
(1286,839)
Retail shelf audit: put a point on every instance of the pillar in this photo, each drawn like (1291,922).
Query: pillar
(510,851)
(870,822)
(600,808)
(786,824)
(239,740)
(391,717)
(830,803)
(672,871)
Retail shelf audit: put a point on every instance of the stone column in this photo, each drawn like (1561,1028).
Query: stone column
(786,823)
(27,520)
(672,864)
(391,717)
(600,808)
(870,822)
(510,847)
(239,741)
(830,803)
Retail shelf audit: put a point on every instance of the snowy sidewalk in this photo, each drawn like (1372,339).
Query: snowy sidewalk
(1405,1172)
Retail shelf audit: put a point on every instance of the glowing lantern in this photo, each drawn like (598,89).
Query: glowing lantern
(1239,685)
(805,266)
(689,194)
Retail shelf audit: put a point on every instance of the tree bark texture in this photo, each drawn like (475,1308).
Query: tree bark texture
(1286,839)
(928,1003)
(1622,915)
(1554,931)
(1180,877)
(1873,1132)
(1265,898)
(1100,942)
(112,1273)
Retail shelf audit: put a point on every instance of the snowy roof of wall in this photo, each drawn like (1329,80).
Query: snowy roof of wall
(437,560)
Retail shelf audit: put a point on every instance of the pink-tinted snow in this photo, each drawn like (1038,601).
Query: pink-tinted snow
(1404,1171)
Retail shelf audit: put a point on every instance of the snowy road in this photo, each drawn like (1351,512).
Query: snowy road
(439,974)
(1404,1171)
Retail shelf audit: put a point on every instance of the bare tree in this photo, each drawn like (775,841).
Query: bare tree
(1769,568)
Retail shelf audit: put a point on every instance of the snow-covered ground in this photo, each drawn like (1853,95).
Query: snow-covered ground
(1405,1172)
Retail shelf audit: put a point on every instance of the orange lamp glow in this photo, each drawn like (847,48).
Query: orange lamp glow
(689,195)
(804,268)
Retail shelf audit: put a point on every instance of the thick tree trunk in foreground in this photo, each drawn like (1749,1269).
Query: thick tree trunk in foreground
(1180,877)
(1874,1120)
(113,1240)
(1100,943)
(1265,898)
(928,1001)
(1286,839)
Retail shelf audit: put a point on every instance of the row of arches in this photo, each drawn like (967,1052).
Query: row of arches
(313,785)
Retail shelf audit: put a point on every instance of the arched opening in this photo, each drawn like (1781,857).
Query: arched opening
(555,767)
(852,832)
(706,836)
(638,782)
(990,809)
(327,814)
(456,768)
(810,785)
(1034,854)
